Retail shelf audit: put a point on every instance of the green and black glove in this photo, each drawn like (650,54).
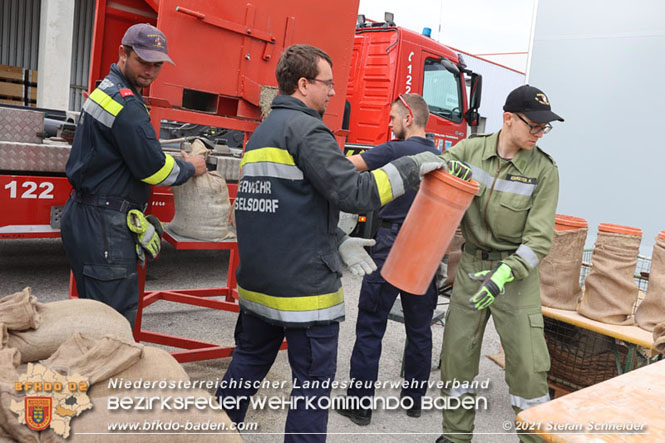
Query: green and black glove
(493,285)
(459,169)
(148,231)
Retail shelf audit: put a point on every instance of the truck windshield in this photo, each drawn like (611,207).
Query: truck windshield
(441,91)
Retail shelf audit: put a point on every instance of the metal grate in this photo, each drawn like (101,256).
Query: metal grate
(579,357)
(641,269)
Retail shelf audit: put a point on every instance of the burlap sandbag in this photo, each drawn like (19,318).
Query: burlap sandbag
(652,309)
(609,289)
(99,417)
(96,359)
(10,428)
(202,205)
(62,319)
(560,270)
(10,358)
(154,365)
(4,335)
(454,255)
(9,424)
(659,338)
(19,311)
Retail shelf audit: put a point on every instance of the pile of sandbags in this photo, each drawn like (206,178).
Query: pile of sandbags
(202,205)
(88,340)
(60,320)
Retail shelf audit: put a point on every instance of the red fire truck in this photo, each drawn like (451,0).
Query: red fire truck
(225,55)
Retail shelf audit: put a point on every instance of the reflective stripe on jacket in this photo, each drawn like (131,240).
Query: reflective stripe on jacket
(115,151)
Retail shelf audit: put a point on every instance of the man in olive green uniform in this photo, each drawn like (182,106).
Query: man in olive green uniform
(507,231)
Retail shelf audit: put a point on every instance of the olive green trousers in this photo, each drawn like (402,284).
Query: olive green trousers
(519,322)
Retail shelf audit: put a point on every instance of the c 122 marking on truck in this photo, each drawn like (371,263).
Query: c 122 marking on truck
(30,188)
(409,76)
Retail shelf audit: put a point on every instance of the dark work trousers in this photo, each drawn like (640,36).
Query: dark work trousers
(376,298)
(102,253)
(313,358)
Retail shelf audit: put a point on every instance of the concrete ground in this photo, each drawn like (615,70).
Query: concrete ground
(41,264)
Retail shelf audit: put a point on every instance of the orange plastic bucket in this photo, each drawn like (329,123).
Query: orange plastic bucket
(619,229)
(427,231)
(568,222)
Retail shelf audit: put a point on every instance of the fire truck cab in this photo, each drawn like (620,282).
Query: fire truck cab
(387,61)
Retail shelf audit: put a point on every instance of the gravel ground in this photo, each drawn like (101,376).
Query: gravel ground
(41,264)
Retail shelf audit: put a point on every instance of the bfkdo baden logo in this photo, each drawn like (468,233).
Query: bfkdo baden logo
(47,399)
(38,412)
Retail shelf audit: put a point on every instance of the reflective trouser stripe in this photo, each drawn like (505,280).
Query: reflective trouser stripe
(307,309)
(524,403)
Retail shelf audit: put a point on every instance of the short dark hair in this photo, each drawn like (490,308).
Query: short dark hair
(298,61)
(418,107)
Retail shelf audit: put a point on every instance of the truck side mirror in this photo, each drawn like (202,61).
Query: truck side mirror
(472,116)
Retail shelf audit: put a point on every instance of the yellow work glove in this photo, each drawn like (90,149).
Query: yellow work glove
(493,285)
(148,231)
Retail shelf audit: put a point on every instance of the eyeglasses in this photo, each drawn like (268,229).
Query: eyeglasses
(533,129)
(329,83)
(405,104)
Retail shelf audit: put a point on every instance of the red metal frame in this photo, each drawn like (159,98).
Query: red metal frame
(193,350)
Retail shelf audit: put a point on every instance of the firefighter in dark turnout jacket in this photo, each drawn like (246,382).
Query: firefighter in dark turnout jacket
(114,159)
(294,182)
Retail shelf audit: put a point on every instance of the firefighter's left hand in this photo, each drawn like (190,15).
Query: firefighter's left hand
(493,285)
(148,231)
(427,162)
(354,255)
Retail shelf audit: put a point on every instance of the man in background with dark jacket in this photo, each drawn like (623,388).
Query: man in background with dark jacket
(408,116)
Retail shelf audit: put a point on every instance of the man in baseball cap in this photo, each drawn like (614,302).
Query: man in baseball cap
(114,160)
(148,42)
(531,102)
(508,229)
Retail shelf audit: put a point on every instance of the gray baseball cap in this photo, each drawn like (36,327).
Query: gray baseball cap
(148,42)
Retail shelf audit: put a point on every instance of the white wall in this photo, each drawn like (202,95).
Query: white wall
(55,53)
(602,64)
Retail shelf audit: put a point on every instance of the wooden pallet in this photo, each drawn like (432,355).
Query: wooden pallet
(18,86)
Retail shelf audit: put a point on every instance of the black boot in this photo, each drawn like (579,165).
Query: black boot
(443,439)
(360,416)
(416,408)
(414,411)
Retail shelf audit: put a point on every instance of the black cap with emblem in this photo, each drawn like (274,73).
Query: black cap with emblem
(531,102)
